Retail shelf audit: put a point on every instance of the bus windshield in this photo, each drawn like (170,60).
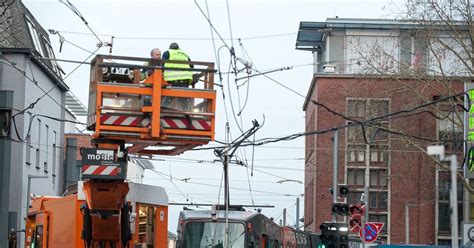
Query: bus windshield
(212,234)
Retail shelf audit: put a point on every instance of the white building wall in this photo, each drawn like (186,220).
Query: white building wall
(135,172)
(44,134)
(70,127)
(380,52)
(445,61)
(368,54)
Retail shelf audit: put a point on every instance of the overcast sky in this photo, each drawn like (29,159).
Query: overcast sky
(268,31)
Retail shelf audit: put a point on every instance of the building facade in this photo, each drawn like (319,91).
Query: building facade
(369,68)
(37,127)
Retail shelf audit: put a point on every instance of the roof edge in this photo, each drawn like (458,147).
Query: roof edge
(369,77)
(29,51)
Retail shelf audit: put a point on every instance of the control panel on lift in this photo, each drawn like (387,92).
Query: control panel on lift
(131,103)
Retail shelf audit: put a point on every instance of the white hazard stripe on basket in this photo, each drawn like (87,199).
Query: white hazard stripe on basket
(123,120)
(101,170)
(176,123)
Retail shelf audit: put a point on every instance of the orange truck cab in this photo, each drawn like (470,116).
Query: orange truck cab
(58,221)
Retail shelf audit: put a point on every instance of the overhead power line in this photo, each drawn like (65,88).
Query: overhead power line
(179,38)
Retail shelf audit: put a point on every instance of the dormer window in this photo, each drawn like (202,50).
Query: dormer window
(34,37)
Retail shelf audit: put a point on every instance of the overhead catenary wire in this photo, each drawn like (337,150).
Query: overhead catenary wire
(78,13)
(80,64)
(119,37)
(13,65)
(367,121)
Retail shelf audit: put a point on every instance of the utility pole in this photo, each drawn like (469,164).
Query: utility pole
(453,199)
(226,192)
(6,104)
(454,202)
(225,155)
(407,223)
(366,190)
(297,225)
(335,169)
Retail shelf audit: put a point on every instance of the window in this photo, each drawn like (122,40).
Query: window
(38,154)
(413,53)
(379,218)
(378,200)
(34,36)
(355,134)
(356,108)
(354,197)
(378,107)
(377,131)
(28,150)
(449,131)
(28,145)
(47,150)
(54,158)
(364,109)
(378,178)
(50,54)
(444,219)
(379,154)
(356,153)
(37,158)
(355,177)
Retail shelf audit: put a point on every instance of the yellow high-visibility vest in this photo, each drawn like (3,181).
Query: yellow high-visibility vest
(172,75)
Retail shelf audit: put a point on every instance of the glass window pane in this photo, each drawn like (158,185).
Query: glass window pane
(374,156)
(383,178)
(373,200)
(352,156)
(443,217)
(373,177)
(360,156)
(350,177)
(383,200)
(360,108)
(360,177)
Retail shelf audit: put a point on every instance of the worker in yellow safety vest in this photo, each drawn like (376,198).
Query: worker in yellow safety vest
(177,78)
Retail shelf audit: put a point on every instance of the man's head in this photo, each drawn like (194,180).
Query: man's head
(155,53)
(174,45)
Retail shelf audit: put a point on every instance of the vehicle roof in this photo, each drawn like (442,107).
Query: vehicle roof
(206,214)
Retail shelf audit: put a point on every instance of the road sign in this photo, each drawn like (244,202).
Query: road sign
(370,231)
(467,233)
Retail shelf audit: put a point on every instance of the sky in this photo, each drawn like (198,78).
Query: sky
(268,34)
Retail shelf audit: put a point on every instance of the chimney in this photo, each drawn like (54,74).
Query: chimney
(329,68)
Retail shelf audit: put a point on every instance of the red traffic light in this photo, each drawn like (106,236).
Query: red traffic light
(355,224)
(356,210)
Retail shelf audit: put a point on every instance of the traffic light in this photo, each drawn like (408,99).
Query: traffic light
(356,211)
(343,191)
(340,209)
(334,235)
(343,235)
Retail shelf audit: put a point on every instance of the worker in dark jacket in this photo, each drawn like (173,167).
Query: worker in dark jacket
(181,78)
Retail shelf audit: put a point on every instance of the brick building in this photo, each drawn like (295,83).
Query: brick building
(365,69)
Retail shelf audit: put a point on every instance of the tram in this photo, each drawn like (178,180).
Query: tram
(206,228)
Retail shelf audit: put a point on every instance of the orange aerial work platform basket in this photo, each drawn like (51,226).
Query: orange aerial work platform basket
(131,103)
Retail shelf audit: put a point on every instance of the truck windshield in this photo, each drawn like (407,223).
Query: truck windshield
(212,234)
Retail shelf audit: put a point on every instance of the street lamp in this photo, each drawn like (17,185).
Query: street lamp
(290,180)
(439,151)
